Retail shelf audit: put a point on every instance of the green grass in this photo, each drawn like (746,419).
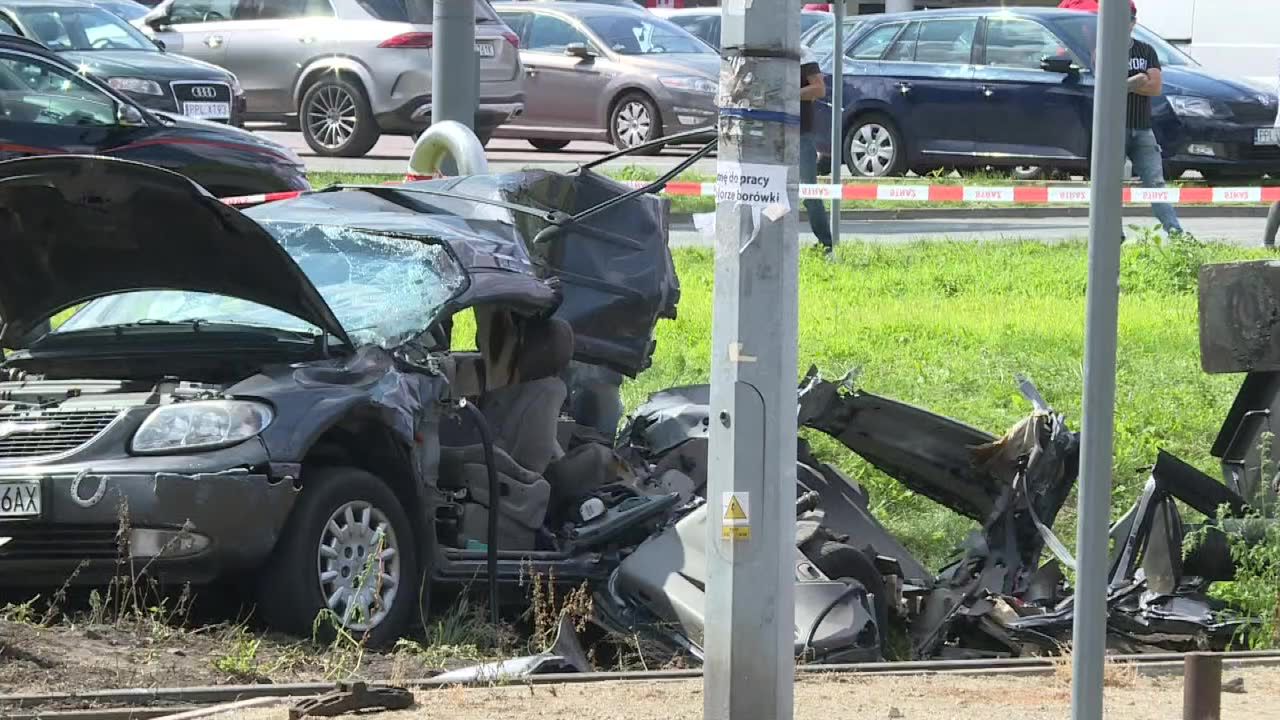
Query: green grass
(946,326)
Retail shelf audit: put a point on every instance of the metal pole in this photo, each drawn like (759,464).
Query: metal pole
(1101,309)
(454,76)
(1202,687)
(837,116)
(750,638)
(1273,224)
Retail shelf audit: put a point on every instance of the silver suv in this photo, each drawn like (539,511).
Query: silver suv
(346,70)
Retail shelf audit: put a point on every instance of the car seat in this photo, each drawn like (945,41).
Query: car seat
(523,415)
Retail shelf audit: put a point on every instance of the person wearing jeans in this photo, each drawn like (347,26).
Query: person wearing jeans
(1146,82)
(812,87)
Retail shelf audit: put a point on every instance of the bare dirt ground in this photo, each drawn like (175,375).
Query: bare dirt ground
(70,657)
(824,698)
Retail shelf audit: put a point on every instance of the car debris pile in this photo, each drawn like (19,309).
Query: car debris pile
(284,393)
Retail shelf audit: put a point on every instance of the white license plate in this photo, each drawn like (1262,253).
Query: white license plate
(484,49)
(1265,136)
(207,110)
(19,499)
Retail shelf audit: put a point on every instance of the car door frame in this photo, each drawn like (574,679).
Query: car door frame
(1076,90)
(52,139)
(905,82)
(538,62)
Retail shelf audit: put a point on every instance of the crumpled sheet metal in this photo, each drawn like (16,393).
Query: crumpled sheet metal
(610,276)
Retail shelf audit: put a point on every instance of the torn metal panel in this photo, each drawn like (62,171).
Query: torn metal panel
(1240,316)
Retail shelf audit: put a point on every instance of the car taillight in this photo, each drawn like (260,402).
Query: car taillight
(408,40)
(512,38)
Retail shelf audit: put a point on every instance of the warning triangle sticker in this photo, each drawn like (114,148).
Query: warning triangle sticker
(734,511)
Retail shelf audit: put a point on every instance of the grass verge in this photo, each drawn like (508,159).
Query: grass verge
(947,325)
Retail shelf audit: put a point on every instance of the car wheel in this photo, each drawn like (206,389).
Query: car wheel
(348,554)
(873,147)
(336,119)
(634,121)
(549,145)
(1029,172)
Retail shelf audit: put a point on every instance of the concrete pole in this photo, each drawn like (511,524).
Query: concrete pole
(837,115)
(1101,309)
(749,643)
(454,69)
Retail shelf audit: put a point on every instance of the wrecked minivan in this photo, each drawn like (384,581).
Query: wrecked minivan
(272,394)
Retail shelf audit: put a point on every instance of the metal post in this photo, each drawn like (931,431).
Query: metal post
(1202,687)
(1101,309)
(837,115)
(749,643)
(1273,224)
(454,76)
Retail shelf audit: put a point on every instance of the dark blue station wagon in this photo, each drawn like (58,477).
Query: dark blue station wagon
(1012,88)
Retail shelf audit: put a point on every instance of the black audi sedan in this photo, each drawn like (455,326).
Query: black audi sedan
(102,44)
(49,107)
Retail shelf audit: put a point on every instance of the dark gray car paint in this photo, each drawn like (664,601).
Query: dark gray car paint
(74,228)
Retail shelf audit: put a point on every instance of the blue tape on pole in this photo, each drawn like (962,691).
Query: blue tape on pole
(761,115)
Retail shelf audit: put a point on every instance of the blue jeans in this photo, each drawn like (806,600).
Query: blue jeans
(819,221)
(1144,153)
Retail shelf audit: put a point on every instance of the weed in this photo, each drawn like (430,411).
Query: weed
(241,661)
(1115,674)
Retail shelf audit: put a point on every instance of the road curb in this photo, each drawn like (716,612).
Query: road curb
(1021,213)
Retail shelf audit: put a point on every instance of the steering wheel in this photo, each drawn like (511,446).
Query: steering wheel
(100,43)
(213,16)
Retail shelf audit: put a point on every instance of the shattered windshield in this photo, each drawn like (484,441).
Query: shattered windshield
(382,288)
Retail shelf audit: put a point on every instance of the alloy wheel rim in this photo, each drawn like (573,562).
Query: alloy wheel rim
(358,565)
(633,124)
(331,117)
(872,149)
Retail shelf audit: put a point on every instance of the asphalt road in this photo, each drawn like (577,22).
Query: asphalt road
(1237,231)
(391,155)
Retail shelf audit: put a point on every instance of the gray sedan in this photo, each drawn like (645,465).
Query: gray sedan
(598,72)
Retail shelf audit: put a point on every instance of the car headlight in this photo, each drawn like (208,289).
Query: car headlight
(689,83)
(137,86)
(1191,106)
(200,425)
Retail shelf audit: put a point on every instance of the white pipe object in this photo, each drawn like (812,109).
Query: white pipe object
(447,139)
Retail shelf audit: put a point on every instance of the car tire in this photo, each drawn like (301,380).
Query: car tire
(293,586)
(549,145)
(336,118)
(873,147)
(634,120)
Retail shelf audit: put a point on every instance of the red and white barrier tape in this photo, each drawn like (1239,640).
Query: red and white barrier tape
(1030,195)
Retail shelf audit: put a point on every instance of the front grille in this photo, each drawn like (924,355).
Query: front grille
(1247,113)
(189,91)
(63,542)
(31,435)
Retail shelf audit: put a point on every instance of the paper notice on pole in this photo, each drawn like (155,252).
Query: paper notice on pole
(752,184)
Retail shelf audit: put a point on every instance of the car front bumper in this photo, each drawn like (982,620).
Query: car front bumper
(177,519)
(1216,146)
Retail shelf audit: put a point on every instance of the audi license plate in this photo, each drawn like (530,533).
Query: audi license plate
(19,499)
(1265,136)
(207,110)
(485,50)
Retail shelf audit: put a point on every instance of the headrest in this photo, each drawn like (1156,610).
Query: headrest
(545,349)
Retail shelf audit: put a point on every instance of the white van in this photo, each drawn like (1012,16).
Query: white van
(1240,38)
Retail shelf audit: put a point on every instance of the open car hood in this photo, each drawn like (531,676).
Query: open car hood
(74,228)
